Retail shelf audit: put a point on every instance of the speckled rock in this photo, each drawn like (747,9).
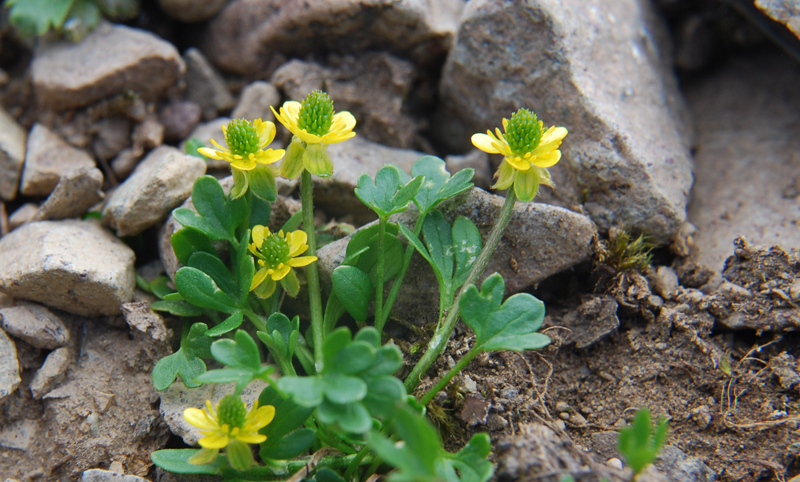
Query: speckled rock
(206,131)
(243,36)
(35,325)
(204,86)
(12,155)
(786,12)
(22,215)
(160,183)
(191,11)
(108,61)
(47,160)
(9,366)
(100,475)
(255,101)
(76,266)
(600,69)
(179,118)
(75,193)
(51,373)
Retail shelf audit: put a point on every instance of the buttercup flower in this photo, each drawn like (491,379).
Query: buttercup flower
(314,125)
(228,425)
(277,254)
(246,144)
(528,151)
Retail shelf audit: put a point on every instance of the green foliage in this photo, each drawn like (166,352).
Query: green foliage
(438,185)
(281,338)
(73,18)
(242,360)
(639,443)
(191,147)
(391,192)
(284,440)
(511,326)
(217,215)
(177,461)
(624,253)
(187,361)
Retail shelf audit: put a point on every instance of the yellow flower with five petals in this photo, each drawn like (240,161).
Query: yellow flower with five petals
(277,254)
(528,151)
(246,145)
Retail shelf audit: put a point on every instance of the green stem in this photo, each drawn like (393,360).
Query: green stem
(305,358)
(449,376)
(398,280)
(439,340)
(348,475)
(312,271)
(260,323)
(379,319)
(281,469)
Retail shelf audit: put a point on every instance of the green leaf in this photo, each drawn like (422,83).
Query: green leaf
(305,391)
(36,17)
(362,251)
(343,389)
(200,290)
(439,240)
(639,444)
(289,446)
(191,147)
(467,245)
(289,415)
(416,459)
(262,183)
(159,287)
(177,461)
(387,194)
(214,267)
(334,343)
(355,357)
(239,376)
(352,418)
(421,249)
(187,241)
(211,228)
(354,289)
(186,362)
(217,216)
(369,335)
(245,269)
(438,184)
(293,222)
(327,475)
(388,359)
(176,308)
(282,335)
(384,394)
(511,326)
(471,461)
(241,353)
(260,212)
(231,323)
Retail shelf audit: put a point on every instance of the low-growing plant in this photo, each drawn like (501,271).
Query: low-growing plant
(640,442)
(332,391)
(71,18)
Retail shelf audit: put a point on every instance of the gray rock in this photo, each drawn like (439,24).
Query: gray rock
(12,155)
(255,101)
(35,325)
(22,215)
(677,466)
(148,134)
(179,118)
(598,69)
(20,434)
(298,78)
(113,134)
(140,317)
(541,240)
(160,183)
(191,11)
(51,373)
(204,86)
(246,33)
(666,282)
(9,366)
(76,266)
(744,113)
(786,12)
(477,160)
(592,321)
(123,165)
(211,130)
(108,61)
(100,475)
(47,160)
(75,193)
(177,398)
(784,366)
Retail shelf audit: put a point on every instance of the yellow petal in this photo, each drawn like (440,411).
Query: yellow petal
(266,132)
(548,160)
(302,261)
(518,163)
(281,272)
(243,164)
(484,143)
(266,288)
(251,437)
(204,456)
(343,122)
(307,137)
(218,440)
(199,419)
(269,156)
(209,153)
(297,243)
(258,278)
(259,233)
(260,417)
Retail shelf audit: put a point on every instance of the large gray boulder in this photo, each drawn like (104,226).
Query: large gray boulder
(109,61)
(596,68)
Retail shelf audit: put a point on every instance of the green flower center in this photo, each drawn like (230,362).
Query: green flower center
(242,138)
(232,411)
(523,132)
(316,113)
(275,250)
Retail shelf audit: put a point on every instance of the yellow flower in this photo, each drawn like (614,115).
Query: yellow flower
(246,145)
(314,125)
(228,424)
(527,151)
(277,254)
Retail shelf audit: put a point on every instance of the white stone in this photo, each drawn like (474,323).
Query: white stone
(20,434)
(9,366)
(35,325)
(51,373)
(100,475)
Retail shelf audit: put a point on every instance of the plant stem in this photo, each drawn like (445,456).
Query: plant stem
(449,376)
(439,340)
(398,280)
(348,475)
(305,358)
(258,322)
(379,319)
(312,271)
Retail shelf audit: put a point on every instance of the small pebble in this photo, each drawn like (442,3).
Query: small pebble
(577,418)
(562,407)
(560,424)
(614,462)
(564,415)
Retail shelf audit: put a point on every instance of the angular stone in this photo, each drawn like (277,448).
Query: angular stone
(20,434)
(204,85)
(677,465)
(51,373)
(9,366)
(12,155)
(246,33)
(592,321)
(76,266)
(100,475)
(47,160)
(786,12)
(626,158)
(108,61)
(255,101)
(298,78)
(747,175)
(191,11)
(113,134)
(541,240)
(22,215)
(75,193)
(179,118)
(160,183)
(35,325)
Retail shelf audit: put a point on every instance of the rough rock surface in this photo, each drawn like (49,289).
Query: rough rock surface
(51,373)
(108,61)
(255,101)
(211,130)
(204,85)
(75,193)
(12,155)
(76,266)
(596,68)
(191,11)
(541,240)
(47,160)
(22,215)
(477,160)
(747,116)
(244,35)
(35,325)
(786,12)
(9,366)
(179,118)
(159,184)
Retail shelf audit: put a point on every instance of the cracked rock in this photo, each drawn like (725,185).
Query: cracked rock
(75,193)
(47,160)
(35,325)
(12,155)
